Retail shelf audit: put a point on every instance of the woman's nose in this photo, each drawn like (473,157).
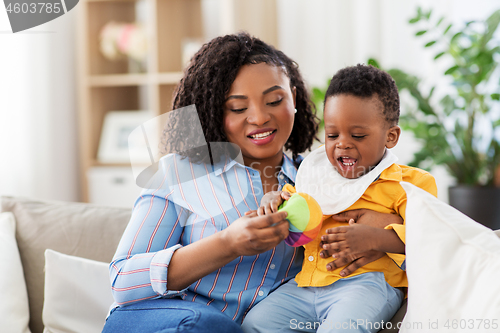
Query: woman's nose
(258,116)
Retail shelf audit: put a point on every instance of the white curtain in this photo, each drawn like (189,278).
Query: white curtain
(38,136)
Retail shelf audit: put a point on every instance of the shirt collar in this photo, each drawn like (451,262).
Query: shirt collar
(393,172)
(226,165)
(288,168)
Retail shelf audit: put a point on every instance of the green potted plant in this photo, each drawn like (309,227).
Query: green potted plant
(460,129)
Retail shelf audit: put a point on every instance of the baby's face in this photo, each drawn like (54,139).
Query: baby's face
(356,134)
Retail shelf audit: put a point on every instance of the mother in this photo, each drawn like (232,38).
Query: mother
(189,254)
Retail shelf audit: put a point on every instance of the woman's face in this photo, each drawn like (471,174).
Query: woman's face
(259,112)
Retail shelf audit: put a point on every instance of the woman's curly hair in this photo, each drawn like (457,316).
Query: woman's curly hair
(207,81)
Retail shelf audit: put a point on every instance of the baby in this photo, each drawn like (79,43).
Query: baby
(353,170)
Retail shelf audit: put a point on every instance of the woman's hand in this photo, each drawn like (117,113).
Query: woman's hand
(350,240)
(253,234)
(368,217)
(271,201)
(356,260)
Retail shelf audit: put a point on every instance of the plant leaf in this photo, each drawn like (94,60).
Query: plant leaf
(455,36)
(428,14)
(430,43)
(420,33)
(495,97)
(373,62)
(414,20)
(440,20)
(451,70)
(439,55)
(492,24)
(447,29)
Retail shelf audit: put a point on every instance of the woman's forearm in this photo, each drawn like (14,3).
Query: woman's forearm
(196,260)
(249,235)
(387,240)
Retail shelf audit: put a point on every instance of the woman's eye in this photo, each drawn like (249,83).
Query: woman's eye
(238,110)
(275,102)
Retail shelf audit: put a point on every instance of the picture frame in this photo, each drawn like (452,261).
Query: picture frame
(114,144)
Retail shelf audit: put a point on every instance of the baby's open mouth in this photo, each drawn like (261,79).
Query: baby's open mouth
(347,161)
(262,135)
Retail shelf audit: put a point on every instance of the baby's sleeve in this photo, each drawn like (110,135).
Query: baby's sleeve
(289,188)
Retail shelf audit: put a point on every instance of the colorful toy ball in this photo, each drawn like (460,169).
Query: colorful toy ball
(305,217)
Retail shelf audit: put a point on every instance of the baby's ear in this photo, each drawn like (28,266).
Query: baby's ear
(393,134)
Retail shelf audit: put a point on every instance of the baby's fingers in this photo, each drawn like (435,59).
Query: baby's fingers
(334,248)
(251,213)
(285,195)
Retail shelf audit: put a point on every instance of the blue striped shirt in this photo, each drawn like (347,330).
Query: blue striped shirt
(190,202)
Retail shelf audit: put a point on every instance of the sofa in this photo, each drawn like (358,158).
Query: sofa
(76,230)
(55,276)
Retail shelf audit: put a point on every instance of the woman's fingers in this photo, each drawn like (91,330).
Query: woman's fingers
(268,220)
(353,261)
(340,262)
(347,215)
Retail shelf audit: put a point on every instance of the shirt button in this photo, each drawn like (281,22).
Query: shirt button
(261,293)
(273,266)
(311,258)
(281,177)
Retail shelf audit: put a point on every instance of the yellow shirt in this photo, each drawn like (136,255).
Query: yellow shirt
(384,195)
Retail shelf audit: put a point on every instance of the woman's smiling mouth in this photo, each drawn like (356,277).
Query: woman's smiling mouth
(260,137)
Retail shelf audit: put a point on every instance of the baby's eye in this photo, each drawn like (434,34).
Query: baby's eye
(359,136)
(332,136)
(275,102)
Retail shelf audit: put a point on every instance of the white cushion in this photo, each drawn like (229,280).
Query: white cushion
(453,268)
(14,309)
(77,294)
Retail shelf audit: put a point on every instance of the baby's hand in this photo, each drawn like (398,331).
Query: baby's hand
(271,201)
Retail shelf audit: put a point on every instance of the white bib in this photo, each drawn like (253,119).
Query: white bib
(334,193)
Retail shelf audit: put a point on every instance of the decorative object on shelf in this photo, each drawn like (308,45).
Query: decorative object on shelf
(119,40)
(115,146)
(462,132)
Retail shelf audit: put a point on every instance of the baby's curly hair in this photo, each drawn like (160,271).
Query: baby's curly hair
(208,79)
(364,81)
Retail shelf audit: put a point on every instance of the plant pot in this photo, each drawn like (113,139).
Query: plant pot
(480,203)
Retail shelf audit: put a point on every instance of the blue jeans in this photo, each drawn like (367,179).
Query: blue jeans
(165,315)
(355,304)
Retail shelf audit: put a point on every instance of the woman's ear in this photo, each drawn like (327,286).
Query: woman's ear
(393,134)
